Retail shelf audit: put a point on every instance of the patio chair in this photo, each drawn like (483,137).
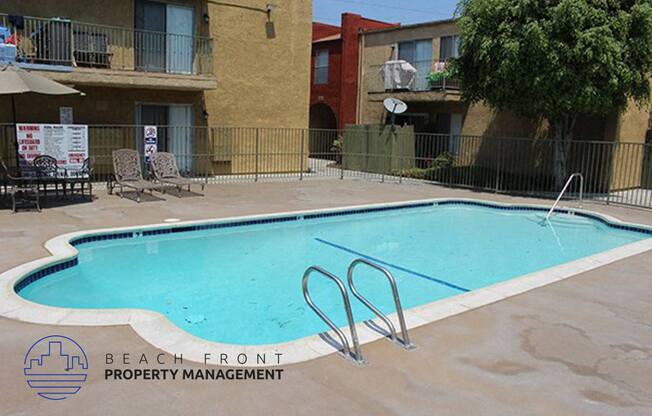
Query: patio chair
(165,170)
(26,186)
(49,173)
(128,173)
(82,177)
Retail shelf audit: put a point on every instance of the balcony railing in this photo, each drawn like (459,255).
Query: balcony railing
(64,42)
(419,76)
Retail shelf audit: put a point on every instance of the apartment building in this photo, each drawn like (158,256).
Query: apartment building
(335,69)
(409,63)
(241,63)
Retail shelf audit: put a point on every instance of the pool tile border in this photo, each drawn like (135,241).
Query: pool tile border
(163,334)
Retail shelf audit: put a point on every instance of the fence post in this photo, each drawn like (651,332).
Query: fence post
(210,148)
(342,163)
(257,151)
(614,150)
(498,154)
(401,155)
(303,143)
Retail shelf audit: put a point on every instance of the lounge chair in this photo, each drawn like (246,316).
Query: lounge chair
(128,173)
(24,185)
(164,167)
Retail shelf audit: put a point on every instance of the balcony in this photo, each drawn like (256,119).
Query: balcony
(97,54)
(421,80)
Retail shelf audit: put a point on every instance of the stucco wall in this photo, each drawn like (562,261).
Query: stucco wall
(262,80)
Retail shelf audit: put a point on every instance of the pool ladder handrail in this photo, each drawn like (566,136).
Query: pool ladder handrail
(356,354)
(405,338)
(563,191)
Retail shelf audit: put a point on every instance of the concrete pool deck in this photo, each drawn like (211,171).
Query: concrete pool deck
(580,346)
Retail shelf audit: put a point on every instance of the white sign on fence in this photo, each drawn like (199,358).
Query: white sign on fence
(151,142)
(67,143)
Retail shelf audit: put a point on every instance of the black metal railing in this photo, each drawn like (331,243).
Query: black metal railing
(614,172)
(418,76)
(64,42)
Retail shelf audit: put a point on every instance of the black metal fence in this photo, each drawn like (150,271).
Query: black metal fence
(614,172)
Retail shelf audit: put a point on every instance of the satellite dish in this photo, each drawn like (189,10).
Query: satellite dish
(395,106)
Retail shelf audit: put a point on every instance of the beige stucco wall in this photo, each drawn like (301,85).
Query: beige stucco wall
(630,130)
(262,80)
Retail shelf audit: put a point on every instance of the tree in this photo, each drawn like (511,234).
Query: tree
(556,60)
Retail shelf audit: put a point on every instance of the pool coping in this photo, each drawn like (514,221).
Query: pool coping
(161,333)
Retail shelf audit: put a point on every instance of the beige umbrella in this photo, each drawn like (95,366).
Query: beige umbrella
(14,80)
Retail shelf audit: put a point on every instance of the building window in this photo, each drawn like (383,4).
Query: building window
(419,54)
(416,51)
(449,48)
(321,67)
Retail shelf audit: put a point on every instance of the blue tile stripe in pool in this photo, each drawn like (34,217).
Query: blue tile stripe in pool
(218,225)
(101,237)
(134,234)
(39,274)
(364,210)
(394,266)
(558,210)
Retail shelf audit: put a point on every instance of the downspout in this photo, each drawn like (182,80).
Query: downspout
(361,43)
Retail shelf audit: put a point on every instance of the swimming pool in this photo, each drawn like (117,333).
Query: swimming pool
(239,282)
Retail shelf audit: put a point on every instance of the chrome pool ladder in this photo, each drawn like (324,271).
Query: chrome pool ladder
(354,355)
(563,191)
(404,341)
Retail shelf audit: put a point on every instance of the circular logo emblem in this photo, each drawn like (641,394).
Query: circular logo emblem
(55,367)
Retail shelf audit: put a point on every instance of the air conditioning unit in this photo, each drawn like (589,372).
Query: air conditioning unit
(398,75)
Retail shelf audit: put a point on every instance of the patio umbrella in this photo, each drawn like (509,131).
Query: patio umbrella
(14,81)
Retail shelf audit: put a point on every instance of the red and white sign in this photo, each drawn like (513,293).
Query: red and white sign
(68,143)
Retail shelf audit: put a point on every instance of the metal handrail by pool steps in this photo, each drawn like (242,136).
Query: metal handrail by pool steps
(563,191)
(405,341)
(356,354)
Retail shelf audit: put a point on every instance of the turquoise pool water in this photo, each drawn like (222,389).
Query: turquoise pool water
(242,285)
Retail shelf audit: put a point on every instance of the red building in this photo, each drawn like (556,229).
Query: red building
(334,85)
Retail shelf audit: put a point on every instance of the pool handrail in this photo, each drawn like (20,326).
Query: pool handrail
(356,355)
(563,191)
(405,341)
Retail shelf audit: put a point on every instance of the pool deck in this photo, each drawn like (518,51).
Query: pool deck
(581,346)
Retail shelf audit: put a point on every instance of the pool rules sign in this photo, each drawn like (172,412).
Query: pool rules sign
(67,143)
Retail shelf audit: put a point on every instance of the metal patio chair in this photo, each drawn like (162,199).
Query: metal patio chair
(128,173)
(49,173)
(165,170)
(26,186)
(82,177)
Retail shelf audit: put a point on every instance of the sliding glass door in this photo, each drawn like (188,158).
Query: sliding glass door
(179,43)
(419,54)
(163,39)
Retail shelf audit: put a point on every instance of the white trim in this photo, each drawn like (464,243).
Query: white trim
(163,334)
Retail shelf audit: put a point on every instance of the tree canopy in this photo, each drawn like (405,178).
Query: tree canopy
(556,59)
